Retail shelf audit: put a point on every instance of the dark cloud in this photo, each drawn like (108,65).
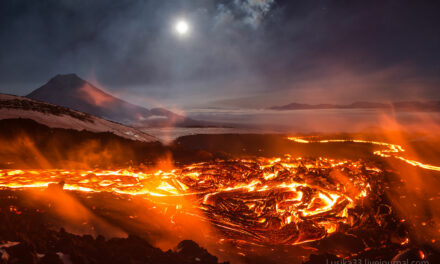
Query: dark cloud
(284,50)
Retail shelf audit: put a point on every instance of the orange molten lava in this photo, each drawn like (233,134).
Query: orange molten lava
(264,201)
(391,150)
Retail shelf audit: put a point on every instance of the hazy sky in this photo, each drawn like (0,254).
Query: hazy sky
(238,52)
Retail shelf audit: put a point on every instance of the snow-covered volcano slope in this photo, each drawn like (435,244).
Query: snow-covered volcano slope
(12,107)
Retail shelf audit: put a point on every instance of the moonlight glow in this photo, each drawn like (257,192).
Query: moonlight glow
(181,27)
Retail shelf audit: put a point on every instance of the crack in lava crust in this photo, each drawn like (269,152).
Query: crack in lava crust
(265,201)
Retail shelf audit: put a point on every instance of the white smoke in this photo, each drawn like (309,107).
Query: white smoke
(250,12)
(255,10)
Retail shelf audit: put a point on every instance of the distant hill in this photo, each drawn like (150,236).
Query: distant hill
(70,91)
(410,106)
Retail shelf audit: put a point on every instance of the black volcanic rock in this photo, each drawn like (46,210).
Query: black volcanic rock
(51,258)
(70,91)
(191,251)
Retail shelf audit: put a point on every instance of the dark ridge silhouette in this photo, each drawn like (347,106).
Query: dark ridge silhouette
(33,145)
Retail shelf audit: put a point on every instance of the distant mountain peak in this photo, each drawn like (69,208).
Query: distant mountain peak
(60,83)
(67,75)
(70,78)
(69,90)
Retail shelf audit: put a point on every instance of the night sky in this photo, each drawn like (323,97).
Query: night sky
(237,53)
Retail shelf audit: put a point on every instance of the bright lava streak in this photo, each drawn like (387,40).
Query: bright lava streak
(391,150)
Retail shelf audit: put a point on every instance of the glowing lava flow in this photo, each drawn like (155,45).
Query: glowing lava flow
(263,201)
(391,150)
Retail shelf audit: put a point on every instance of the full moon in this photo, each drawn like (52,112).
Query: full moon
(181,27)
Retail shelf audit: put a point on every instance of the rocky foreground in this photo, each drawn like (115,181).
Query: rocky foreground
(25,237)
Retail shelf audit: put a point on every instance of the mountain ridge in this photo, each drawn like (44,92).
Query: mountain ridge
(416,106)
